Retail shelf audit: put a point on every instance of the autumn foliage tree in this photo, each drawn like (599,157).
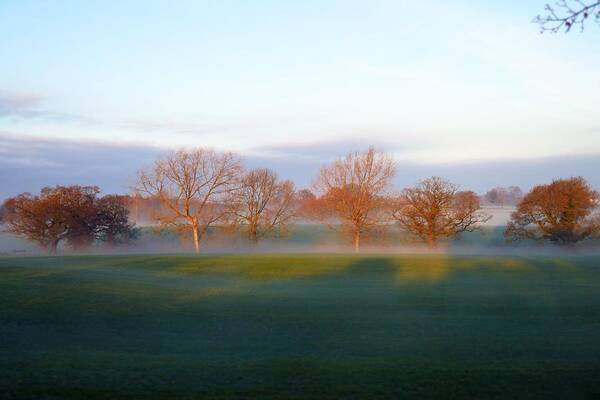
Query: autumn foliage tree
(195,187)
(74,214)
(562,212)
(435,209)
(352,192)
(264,205)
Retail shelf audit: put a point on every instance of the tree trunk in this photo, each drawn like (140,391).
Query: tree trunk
(253,234)
(53,247)
(196,238)
(356,242)
(432,241)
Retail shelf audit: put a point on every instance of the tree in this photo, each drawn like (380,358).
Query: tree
(515,194)
(497,196)
(112,220)
(435,208)
(561,212)
(305,200)
(566,14)
(195,187)
(352,192)
(501,196)
(2,213)
(73,214)
(57,214)
(264,204)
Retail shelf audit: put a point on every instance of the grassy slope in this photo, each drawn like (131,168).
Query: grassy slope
(299,327)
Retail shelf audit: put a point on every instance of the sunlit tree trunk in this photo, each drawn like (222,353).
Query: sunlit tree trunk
(356,241)
(432,241)
(196,238)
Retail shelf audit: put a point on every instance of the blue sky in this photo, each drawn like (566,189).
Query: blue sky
(437,83)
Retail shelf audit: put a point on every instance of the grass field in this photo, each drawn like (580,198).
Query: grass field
(299,326)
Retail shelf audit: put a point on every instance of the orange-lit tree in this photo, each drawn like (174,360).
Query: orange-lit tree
(74,214)
(562,212)
(352,193)
(435,208)
(264,205)
(195,187)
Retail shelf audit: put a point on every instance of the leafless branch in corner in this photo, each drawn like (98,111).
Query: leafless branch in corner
(564,15)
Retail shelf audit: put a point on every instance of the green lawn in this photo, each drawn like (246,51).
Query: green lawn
(299,326)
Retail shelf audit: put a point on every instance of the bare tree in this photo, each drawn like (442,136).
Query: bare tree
(264,204)
(497,196)
(352,192)
(305,201)
(435,208)
(194,186)
(566,14)
(500,196)
(561,212)
(515,195)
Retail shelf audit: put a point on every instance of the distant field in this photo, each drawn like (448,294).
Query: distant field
(299,326)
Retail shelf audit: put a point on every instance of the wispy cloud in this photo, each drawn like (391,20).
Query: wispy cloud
(30,107)
(325,150)
(182,127)
(25,161)
(53,148)
(21,104)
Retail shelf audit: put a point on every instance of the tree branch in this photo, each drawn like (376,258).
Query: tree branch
(566,14)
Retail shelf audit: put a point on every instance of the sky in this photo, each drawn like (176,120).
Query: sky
(470,90)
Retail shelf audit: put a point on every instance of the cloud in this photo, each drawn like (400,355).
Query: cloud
(325,150)
(483,175)
(26,161)
(181,127)
(20,104)
(29,163)
(301,163)
(25,105)
(19,107)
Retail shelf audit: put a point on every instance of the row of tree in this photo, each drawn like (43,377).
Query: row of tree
(194,190)
(500,196)
(201,188)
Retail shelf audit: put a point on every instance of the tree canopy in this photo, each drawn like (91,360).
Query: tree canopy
(74,214)
(561,212)
(264,204)
(195,187)
(435,208)
(352,192)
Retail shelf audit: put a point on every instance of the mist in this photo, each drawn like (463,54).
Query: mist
(313,239)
